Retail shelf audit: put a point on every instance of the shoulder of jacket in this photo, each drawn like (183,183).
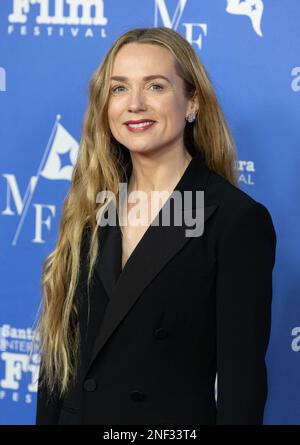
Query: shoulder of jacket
(234,205)
(226,195)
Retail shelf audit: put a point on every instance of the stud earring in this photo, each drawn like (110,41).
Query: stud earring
(191,117)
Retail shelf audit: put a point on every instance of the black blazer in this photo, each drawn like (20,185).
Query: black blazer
(182,310)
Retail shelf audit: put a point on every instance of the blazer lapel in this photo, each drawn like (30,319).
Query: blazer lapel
(156,248)
(108,264)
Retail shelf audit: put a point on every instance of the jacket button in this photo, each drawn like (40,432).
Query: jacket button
(137,396)
(90,385)
(161,333)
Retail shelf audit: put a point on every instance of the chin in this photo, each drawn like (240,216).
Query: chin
(138,149)
(143,150)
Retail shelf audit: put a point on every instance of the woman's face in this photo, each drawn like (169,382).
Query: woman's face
(135,98)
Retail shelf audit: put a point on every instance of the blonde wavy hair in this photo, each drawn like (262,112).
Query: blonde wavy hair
(101,165)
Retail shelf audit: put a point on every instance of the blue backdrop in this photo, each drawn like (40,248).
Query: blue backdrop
(48,51)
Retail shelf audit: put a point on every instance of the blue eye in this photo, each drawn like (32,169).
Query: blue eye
(115,89)
(156,85)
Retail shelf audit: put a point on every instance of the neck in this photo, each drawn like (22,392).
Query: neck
(161,171)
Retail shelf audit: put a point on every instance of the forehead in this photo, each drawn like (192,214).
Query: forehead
(136,58)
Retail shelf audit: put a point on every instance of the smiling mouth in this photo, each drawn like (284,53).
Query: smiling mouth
(141,126)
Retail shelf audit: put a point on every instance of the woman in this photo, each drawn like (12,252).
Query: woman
(138,321)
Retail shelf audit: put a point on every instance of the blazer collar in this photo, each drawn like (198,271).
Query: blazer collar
(156,248)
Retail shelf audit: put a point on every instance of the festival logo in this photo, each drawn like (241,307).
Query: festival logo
(2,79)
(296,340)
(245,172)
(194,31)
(251,8)
(16,370)
(77,18)
(57,163)
(295,84)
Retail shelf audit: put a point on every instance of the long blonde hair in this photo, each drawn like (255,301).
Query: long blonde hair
(101,165)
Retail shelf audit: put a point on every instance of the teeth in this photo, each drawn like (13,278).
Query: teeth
(143,124)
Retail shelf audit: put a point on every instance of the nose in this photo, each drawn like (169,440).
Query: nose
(136,101)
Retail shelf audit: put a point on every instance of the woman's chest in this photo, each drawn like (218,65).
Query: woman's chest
(131,237)
(139,219)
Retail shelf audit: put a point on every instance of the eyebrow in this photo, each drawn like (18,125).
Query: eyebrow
(153,76)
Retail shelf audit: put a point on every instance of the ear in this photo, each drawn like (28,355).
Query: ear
(193,106)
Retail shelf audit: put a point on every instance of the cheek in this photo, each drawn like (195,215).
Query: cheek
(112,120)
(113,111)
(170,109)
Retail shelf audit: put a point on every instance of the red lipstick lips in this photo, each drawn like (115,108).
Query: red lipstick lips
(138,126)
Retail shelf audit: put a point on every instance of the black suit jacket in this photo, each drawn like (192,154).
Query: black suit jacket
(182,310)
